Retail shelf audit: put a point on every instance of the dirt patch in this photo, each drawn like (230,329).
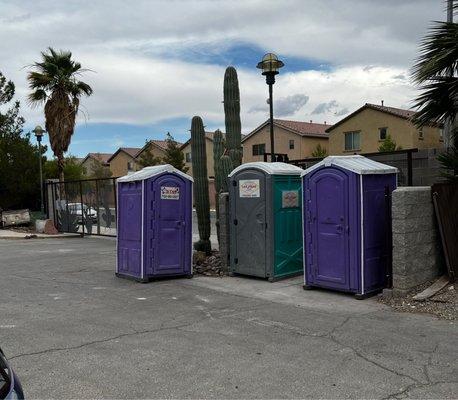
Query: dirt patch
(443,304)
(208,265)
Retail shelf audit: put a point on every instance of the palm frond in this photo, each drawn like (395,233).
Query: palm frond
(438,53)
(37,97)
(449,164)
(437,102)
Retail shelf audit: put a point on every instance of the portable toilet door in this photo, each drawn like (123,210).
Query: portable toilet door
(165,228)
(347,224)
(265,212)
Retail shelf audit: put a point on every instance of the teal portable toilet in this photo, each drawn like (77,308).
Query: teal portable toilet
(266,220)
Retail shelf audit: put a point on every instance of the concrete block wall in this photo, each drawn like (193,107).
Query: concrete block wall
(416,245)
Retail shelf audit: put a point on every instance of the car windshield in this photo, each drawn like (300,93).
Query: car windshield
(5,378)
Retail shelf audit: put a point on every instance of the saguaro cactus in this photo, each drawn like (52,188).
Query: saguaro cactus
(226,168)
(232,116)
(218,150)
(199,171)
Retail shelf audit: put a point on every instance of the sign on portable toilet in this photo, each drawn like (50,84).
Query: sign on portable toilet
(265,220)
(347,224)
(154,224)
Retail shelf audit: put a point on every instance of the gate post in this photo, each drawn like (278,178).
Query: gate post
(51,200)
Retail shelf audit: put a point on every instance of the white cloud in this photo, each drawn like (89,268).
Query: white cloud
(284,106)
(370,45)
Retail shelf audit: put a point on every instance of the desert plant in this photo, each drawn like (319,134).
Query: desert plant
(319,152)
(226,168)
(201,196)
(54,82)
(148,159)
(218,150)
(388,144)
(449,164)
(232,116)
(173,154)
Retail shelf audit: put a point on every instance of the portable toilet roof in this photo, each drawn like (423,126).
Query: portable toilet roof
(358,164)
(275,168)
(149,172)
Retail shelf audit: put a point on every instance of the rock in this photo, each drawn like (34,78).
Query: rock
(50,229)
(45,226)
(198,257)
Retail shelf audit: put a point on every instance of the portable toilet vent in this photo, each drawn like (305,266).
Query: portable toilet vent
(154,224)
(265,216)
(347,224)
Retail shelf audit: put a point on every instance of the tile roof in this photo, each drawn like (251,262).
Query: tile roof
(299,127)
(303,128)
(397,112)
(400,112)
(132,151)
(208,135)
(102,157)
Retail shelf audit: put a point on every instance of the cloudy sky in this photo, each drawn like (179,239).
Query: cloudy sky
(157,63)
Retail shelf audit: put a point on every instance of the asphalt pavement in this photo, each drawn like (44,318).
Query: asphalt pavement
(74,330)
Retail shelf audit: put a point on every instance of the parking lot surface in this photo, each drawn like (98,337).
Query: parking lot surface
(73,330)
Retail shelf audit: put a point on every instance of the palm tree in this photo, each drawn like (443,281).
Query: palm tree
(54,81)
(436,72)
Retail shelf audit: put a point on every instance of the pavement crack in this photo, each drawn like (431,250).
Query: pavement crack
(109,339)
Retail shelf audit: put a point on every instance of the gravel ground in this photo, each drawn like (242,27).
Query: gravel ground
(208,266)
(443,304)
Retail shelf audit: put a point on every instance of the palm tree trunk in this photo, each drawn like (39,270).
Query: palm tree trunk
(60,166)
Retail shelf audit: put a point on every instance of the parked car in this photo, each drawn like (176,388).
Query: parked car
(82,211)
(10,387)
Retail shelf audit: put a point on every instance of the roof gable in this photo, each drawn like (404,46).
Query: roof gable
(102,157)
(130,151)
(208,136)
(396,112)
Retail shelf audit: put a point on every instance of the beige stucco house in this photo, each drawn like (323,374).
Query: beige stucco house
(364,130)
(297,139)
(155,147)
(123,161)
(89,162)
(186,149)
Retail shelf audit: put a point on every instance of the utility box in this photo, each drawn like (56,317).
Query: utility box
(265,220)
(154,224)
(347,224)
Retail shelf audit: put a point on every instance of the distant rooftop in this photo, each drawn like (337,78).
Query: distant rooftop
(301,128)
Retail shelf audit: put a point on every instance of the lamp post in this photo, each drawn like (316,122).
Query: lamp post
(270,64)
(39,132)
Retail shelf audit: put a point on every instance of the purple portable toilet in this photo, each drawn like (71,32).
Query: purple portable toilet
(154,224)
(347,224)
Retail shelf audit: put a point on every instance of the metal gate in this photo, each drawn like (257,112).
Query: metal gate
(85,206)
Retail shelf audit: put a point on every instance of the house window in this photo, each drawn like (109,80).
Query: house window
(441,134)
(259,149)
(130,166)
(352,141)
(420,133)
(382,133)
(188,157)
(291,144)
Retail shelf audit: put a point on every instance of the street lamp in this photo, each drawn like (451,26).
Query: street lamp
(270,64)
(39,132)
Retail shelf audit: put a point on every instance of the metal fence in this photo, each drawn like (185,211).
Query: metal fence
(85,206)
(401,159)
